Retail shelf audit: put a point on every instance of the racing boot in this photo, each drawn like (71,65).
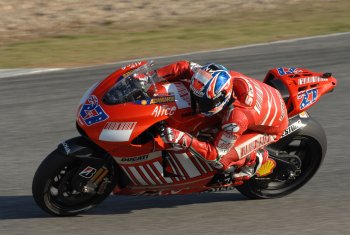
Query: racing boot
(253,164)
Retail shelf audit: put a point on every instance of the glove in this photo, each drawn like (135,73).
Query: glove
(178,140)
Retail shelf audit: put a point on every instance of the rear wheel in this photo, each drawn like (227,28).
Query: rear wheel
(54,191)
(307,154)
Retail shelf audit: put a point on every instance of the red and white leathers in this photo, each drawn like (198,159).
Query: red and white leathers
(256,118)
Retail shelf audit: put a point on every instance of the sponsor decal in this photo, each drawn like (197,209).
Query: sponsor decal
(308,97)
(283,108)
(66,148)
(156,100)
(266,168)
(313,79)
(231,127)
(134,159)
(223,147)
(88,172)
(172,192)
(295,126)
(117,131)
(227,139)
(182,95)
(254,143)
(201,79)
(250,96)
(160,192)
(163,99)
(198,93)
(125,74)
(132,66)
(218,189)
(91,112)
(303,114)
(137,159)
(258,96)
(163,110)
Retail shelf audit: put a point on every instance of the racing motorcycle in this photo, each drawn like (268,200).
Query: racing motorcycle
(120,149)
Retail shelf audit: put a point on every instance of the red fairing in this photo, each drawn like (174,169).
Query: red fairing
(126,121)
(303,87)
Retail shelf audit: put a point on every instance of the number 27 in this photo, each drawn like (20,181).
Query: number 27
(306,100)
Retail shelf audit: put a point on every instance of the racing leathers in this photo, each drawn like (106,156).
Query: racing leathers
(255,117)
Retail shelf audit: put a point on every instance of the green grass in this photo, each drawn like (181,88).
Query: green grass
(113,43)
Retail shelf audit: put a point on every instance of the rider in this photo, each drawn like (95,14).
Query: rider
(253,116)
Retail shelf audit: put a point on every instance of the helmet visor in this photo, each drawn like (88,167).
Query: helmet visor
(204,105)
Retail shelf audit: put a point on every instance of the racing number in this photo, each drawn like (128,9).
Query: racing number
(306,100)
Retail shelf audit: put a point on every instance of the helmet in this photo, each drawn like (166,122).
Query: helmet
(211,89)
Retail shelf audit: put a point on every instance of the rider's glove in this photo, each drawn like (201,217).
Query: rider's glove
(140,76)
(178,140)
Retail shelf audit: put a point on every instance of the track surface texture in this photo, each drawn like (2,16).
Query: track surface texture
(38,111)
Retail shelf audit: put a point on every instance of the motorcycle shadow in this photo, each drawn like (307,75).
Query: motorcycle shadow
(24,207)
(19,207)
(127,204)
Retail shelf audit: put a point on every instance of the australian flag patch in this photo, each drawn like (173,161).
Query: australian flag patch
(91,112)
(283,71)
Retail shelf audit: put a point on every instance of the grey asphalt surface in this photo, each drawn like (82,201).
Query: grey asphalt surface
(38,111)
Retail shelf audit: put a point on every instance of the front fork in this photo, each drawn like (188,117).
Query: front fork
(94,165)
(91,178)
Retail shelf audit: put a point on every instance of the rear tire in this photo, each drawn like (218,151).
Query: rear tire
(309,150)
(52,189)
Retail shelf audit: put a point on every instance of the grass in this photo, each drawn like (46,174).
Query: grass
(112,43)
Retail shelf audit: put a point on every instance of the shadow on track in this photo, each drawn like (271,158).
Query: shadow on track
(24,207)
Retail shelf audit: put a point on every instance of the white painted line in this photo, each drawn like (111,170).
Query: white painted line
(17,72)
(242,47)
(219,50)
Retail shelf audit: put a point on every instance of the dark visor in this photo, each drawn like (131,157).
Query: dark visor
(204,104)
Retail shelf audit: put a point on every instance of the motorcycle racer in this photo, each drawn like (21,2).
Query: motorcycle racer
(253,116)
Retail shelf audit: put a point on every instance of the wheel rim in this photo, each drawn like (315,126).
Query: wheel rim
(60,195)
(308,150)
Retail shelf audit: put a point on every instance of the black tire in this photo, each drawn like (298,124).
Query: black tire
(51,183)
(309,150)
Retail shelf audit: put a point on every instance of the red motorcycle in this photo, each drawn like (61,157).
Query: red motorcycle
(120,149)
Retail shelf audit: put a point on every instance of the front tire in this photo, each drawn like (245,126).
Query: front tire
(53,190)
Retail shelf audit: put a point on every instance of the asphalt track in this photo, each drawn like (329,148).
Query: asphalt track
(37,112)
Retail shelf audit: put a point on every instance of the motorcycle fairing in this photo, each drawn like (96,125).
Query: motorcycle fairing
(146,172)
(300,88)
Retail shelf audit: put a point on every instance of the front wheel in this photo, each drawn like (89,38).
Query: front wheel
(54,191)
